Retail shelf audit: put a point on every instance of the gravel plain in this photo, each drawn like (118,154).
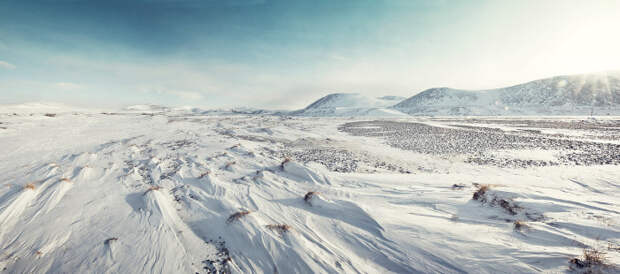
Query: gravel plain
(479,143)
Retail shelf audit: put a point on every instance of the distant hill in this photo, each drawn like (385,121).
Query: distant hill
(351,104)
(561,95)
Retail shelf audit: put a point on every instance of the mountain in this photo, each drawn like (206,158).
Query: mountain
(562,95)
(351,104)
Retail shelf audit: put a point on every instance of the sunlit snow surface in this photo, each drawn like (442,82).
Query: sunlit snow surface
(134,192)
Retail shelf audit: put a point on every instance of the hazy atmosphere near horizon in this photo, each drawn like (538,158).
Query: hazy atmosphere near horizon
(279,54)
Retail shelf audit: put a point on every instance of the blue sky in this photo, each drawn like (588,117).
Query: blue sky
(285,54)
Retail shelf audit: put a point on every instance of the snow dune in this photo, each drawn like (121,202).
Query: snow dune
(155,193)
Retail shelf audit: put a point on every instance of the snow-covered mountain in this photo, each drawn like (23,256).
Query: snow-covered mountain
(562,95)
(351,104)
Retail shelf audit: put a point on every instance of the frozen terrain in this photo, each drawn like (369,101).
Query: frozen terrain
(585,94)
(151,189)
(351,104)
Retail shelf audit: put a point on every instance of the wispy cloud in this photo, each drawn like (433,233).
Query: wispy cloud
(7,65)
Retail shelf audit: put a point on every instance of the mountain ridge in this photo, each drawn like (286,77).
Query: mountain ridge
(580,94)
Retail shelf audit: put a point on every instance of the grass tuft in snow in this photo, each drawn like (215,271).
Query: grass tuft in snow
(236,216)
(506,205)
(479,195)
(309,195)
(591,259)
(482,195)
(281,228)
(229,165)
(65,180)
(202,175)
(153,188)
(29,186)
(520,225)
(286,160)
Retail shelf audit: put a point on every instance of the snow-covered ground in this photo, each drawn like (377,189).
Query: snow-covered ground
(139,191)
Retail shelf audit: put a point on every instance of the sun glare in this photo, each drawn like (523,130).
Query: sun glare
(590,46)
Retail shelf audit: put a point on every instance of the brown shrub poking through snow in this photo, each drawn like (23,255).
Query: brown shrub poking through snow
(479,195)
(519,225)
(153,188)
(202,175)
(591,258)
(229,165)
(65,180)
(236,216)
(29,186)
(50,114)
(308,197)
(483,196)
(286,160)
(509,207)
(280,228)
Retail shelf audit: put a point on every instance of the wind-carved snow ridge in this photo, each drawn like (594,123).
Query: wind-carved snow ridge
(181,192)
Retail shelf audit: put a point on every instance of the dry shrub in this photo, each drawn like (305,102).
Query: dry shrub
(309,195)
(286,160)
(236,216)
(29,186)
(152,189)
(202,175)
(50,114)
(229,164)
(479,195)
(591,257)
(519,225)
(594,256)
(65,180)
(506,205)
(281,228)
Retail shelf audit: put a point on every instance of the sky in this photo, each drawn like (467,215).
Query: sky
(284,54)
